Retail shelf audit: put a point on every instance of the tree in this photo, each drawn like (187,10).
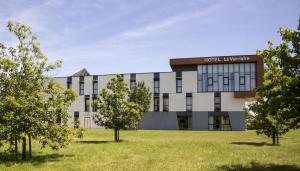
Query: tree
(277,107)
(141,95)
(32,104)
(114,108)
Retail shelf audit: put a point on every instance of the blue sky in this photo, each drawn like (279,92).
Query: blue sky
(123,36)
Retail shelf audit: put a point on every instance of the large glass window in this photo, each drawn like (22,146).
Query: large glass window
(219,123)
(226,77)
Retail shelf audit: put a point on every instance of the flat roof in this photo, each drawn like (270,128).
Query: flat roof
(213,60)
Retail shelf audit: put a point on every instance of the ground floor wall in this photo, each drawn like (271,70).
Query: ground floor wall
(198,120)
(170,120)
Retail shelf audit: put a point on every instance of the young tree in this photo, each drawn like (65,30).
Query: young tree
(277,106)
(141,95)
(31,102)
(114,108)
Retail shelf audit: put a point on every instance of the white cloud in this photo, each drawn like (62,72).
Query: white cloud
(171,21)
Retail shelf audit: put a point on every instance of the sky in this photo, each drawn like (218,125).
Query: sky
(133,36)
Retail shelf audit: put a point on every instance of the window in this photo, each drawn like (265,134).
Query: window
(156,86)
(87,103)
(132,81)
(156,83)
(69,82)
(95,84)
(178,81)
(210,81)
(94,98)
(219,122)
(156,104)
(189,102)
(178,85)
(81,85)
(225,80)
(217,101)
(76,118)
(226,77)
(165,102)
(242,80)
(132,84)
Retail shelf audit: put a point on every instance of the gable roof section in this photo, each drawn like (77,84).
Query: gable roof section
(82,72)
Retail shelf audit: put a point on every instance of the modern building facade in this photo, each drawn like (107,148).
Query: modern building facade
(201,93)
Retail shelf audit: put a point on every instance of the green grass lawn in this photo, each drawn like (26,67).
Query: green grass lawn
(168,150)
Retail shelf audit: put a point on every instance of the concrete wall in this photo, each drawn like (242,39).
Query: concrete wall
(203,101)
(160,121)
(189,81)
(229,103)
(237,120)
(200,120)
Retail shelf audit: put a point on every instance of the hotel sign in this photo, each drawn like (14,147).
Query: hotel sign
(227,59)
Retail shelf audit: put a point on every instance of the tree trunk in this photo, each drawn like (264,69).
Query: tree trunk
(277,139)
(273,138)
(29,143)
(116,135)
(16,149)
(24,148)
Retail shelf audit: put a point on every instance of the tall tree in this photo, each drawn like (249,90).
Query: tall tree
(31,102)
(141,95)
(114,108)
(277,106)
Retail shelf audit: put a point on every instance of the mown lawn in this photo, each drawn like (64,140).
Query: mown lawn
(168,150)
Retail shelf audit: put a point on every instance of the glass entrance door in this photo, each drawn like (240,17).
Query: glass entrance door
(184,122)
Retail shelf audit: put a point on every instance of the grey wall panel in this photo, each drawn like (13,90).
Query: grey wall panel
(237,120)
(160,120)
(200,120)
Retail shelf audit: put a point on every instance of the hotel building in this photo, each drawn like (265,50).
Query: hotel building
(201,93)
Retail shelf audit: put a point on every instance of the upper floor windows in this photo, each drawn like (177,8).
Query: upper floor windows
(69,82)
(226,77)
(189,102)
(178,82)
(87,103)
(165,102)
(156,83)
(217,101)
(156,104)
(95,84)
(81,85)
(132,81)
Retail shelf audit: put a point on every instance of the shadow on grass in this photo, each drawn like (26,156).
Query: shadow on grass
(254,166)
(253,143)
(97,141)
(9,159)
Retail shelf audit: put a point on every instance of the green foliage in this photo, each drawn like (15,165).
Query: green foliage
(78,131)
(32,104)
(114,108)
(277,104)
(141,95)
